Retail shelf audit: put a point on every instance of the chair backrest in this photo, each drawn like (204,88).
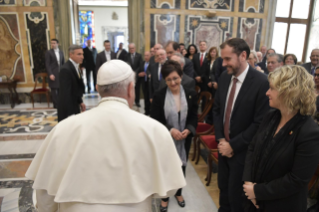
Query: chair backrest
(40,76)
(208,104)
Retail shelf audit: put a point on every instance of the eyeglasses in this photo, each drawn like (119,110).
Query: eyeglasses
(316,75)
(175,79)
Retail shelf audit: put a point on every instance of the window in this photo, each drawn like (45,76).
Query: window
(292,27)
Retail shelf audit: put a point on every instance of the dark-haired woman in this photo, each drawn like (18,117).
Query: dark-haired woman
(191,50)
(176,108)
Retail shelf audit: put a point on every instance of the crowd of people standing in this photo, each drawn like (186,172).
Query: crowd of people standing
(268,143)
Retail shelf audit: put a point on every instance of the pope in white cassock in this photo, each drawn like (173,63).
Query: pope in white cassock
(110,158)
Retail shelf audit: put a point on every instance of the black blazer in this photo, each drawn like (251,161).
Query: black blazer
(289,169)
(307,66)
(157,109)
(71,91)
(249,109)
(154,81)
(263,66)
(200,70)
(216,71)
(136,64)
(101,58)
(122,55)
(89,58)
(52,67)
(188,68)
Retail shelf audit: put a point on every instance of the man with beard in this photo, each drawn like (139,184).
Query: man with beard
(239,107)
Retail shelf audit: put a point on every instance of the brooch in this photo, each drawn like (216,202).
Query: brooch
(291,132)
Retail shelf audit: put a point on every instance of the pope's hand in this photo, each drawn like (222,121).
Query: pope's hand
(83,107)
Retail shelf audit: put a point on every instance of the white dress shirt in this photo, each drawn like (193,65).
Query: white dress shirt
(241,79)
(76,65)
(107,55)
(118,53)
(200,55)
(159,70)
(57,54)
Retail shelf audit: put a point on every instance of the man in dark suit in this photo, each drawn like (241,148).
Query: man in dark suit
(89,64)
(263,63)
(200,63)
(173,47)
(71,85)
(135,60)
(274,61)
(105,55)
(187,81)
(154,72)
(239,107)
(314,58)
(155,49)
(142,75)
(121,53)
(54,59)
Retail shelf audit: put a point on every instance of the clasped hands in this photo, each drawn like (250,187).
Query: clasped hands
(224,148)
(177,135)
(249,192)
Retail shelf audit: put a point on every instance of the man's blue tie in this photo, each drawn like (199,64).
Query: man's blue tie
(145,68)
(313,71)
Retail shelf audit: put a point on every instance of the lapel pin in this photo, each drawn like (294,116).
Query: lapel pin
(291,132)
(190,97)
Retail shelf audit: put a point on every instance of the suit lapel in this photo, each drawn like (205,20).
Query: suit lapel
(53,54)
(244,88)
(104,56)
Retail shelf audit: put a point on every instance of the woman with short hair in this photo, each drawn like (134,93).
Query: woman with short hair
(176,107)
(290,59)
(284,153)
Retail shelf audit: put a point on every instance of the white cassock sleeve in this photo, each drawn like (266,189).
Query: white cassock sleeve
(45,202)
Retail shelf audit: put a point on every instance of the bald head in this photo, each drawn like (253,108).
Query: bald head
(147,56)
(178,58)
(260,56)
(157,47)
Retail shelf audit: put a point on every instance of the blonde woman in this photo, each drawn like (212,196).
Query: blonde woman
(284,153)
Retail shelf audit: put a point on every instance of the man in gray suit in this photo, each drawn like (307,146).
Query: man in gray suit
(314,58)
(187,81)
(54,59)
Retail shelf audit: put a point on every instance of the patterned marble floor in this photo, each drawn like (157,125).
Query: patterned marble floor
(22,131)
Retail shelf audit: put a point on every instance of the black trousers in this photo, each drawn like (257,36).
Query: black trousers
(140,82)
(55,96)
(88,78)
(179,191)
(230,174)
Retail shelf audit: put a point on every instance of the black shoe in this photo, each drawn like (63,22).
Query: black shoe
(163,209)
(181,204)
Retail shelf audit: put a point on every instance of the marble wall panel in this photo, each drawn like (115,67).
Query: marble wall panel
(8,2)
(14,169)
(252,6)
(34,3)
(11,63)
(249,29)
(166,4)
(213,30)
(38,41)
(222,5)
(164,28)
